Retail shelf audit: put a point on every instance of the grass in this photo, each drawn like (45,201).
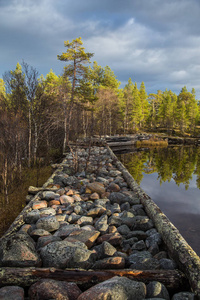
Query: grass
(152,142)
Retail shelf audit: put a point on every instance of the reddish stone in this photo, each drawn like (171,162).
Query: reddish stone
(77,198)
(54,202)
(52,289)
(112,229)
(114,239)
(94,196)
(88,191)
(70,193)
(87,237)
(110,263)
(96,187)
(96,212)
(39,204)
(56,186)
(64,199)
(113,187)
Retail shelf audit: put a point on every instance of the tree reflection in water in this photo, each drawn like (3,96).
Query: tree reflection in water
(171,177)
(177,163)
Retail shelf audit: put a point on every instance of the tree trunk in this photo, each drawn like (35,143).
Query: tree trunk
(5,179)
(65,133)
(172,279)
(36,143)
(29,138)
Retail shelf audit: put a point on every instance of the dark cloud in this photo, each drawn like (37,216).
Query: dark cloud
(155,41)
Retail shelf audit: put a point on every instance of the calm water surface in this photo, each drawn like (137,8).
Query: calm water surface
(171,177)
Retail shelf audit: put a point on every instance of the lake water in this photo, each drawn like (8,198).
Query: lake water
(171,177)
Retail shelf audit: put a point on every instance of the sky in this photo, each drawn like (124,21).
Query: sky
(154,41)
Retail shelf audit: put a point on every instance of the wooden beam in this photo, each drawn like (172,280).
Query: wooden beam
(172,279)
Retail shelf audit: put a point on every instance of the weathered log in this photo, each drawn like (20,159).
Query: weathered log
(34,190)
(172,279)
(188,261)
(126,143)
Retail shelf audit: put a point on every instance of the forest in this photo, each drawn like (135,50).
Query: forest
(40,115)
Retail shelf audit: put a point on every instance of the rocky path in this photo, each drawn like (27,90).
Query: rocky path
(88,221)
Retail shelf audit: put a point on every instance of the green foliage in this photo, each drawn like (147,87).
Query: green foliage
(78,57)
(167,109)
(187,110)
(16,97)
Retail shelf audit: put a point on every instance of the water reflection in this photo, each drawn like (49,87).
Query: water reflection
(171,177)
(172,163)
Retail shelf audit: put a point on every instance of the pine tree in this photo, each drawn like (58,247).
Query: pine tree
(77,58)
(128,104)
(137,109)
(144,104)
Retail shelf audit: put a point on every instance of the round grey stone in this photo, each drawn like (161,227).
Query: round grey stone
(12,292)
(157,289)
(65,254)
(119,288)
(183,296)
(167,264)
(49,223)
(32,217)
(48,195)
(47,211)
(123,229)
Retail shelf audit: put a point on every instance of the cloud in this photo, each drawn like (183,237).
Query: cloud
(155,41)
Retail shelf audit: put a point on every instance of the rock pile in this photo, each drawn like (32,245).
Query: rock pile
(91,221)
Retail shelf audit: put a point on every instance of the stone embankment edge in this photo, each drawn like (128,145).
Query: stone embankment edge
(179,250)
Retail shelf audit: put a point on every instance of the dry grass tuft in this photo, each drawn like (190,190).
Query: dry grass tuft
(152,142)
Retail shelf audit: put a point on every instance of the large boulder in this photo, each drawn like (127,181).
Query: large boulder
(49,223)
(19,251)
(64,254)
(52,289)
(119,288)
(11,292)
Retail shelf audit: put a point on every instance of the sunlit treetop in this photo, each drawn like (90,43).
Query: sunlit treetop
(75,52)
